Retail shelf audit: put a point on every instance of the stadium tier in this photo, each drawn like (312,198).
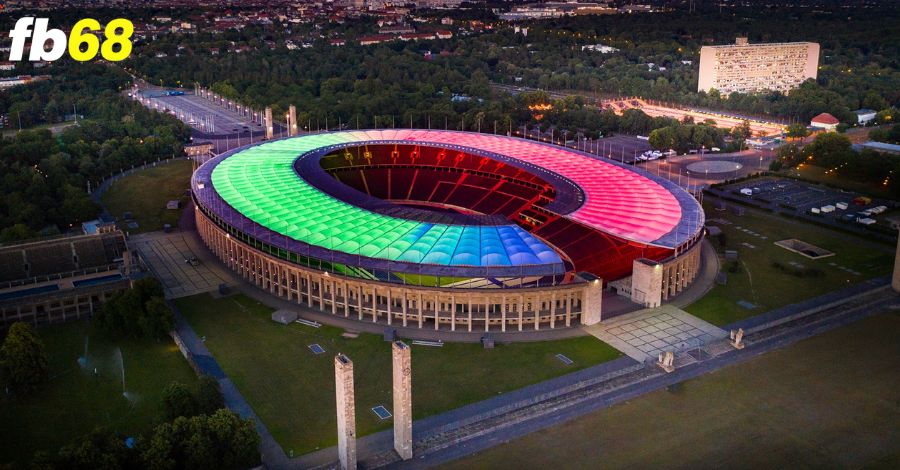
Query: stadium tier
(388,204)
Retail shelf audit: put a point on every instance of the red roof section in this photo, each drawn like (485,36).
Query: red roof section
(825,118)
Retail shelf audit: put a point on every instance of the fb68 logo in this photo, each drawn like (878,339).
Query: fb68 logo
(83,44)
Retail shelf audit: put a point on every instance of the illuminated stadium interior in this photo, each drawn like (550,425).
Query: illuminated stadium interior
(395,204)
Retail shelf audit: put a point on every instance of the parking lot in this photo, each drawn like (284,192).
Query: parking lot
(830,203)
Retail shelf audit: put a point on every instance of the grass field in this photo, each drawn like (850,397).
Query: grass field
(146,192)
(292,389)
(826,402)
(757,281)
(75,401)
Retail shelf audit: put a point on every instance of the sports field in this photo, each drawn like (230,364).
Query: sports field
(755,281)
(827,402)
(75,400)
(292,389)
(145,194)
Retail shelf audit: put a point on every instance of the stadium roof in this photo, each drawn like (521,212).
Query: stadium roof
(262,184)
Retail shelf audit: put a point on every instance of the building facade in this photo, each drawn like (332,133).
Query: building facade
(748,68)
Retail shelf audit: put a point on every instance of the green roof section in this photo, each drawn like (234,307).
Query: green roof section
(260,182)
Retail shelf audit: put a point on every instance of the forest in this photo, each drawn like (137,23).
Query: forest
(45,176)
(858,65)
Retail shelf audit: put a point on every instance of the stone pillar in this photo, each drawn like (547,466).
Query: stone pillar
(895,280)
(503,313)
(346,411)
(390,302)
(270,126)
(405,308)
(646,282)
(552,309)
(420,308)
(292,120)
(452,312)
(521,310)
(402,400)
(591,303)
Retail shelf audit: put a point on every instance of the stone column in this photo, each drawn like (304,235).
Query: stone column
(346,411)
(402,400)
(452,312)
(420,309)
(405,307)
(503,313)
(270,126)
(292,120)
(591,305)
(390,302)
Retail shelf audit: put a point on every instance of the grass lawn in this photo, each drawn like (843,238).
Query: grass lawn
(292,389)
(75,401)
(825,402)
(757,281)
(146,192)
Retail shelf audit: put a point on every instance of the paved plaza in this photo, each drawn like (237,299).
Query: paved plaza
(644,334)
(165,254)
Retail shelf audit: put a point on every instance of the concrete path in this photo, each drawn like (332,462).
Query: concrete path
(165,255)
(272,454)
(644,334)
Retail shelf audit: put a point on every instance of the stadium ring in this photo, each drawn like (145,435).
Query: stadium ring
(442,227)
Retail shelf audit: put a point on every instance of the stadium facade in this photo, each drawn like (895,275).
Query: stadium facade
(445,229)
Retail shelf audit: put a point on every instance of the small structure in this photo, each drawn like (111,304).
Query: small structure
(864,116)
(667,361)
(731,255)
(174,204)
(285,317)
(198,149)
(824,121)
(390,333)
(737,338)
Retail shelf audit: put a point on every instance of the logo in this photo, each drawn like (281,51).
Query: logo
(83,44)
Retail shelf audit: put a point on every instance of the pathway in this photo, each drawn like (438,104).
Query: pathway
(642,335)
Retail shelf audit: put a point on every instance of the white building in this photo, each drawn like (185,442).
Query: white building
(864,116)
(824,121)
(747,68)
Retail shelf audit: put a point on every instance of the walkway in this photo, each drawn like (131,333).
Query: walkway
(166,255)
(272,454)
(644,334)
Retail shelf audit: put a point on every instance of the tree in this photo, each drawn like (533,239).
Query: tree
(23,359)
(137,312)
(158,319)
(101,449)
(209,395)
(828,149)
(220,441)
(797,131)
(178,401)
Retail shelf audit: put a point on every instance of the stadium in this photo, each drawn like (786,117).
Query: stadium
(445,229)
